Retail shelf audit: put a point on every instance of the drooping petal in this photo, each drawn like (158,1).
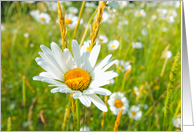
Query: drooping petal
(77,94)
(98,102)
(85,100)
(76,53)
(94,55)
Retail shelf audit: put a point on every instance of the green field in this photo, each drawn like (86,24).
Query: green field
(28,105)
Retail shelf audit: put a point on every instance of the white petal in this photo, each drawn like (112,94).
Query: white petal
(77,94)
(94,55)
(68,59)
(85,100)
(101,91)
(54,90)
(109,65)
(76,53)
(66,90)
(98,102)
(45,49)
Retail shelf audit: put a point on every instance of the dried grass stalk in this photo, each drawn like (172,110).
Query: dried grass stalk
(118,120)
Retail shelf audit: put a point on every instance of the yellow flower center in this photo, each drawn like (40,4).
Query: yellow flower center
(134,91)
(166,18)
(88,48)
(42,19)
(113,46)
(118,103)
(77,79)
(122,67)
(100,39)
(139,14)
(133,113)
(68,21)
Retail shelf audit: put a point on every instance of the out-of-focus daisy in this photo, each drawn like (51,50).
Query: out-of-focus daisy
(85,128)
(136,90)
(135,112)
(140,13)
(34,13)
(117,101)
(105,17)
(153,17)
(102,39)
(43,18)
(72,10)
(122,4)
(112,5)
(2,28)
(168,18)
(113,45)
(164,29)
(123,65)
(72,20)
(76,74)
(167,54)
(137,45)
(52,5)
(177,121)
(111,82)
(26,35)
(173,13)
(144,32)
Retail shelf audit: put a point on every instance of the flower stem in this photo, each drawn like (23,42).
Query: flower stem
(78,114)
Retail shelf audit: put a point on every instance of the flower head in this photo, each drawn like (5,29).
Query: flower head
(177,121)
(140,13)
(113,45)
(137,45)
(76,74)
(102,39)
(135,113)
(117,101)
(72,10)
(167,54)
(123,65)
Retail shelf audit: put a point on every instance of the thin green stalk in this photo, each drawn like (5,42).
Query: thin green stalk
(164,66)
(80,15)
(78,114)
(89,22)
(24,91)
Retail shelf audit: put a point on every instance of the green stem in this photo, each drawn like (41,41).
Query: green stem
(164,66)
(85,32)
(78,114)
(80,15)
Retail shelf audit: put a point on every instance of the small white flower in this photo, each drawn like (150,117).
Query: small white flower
(113,45)
(164,29)
(144,32)
(111,82)
(72,20)
(154,17)
(140,13)
(167,54)
(168,18)
(102,39)
(135,113)
(137,45)
(123,65)
(52,5)
(43,18)
(105,17)
(86,45)
(177,121)
(85,128)
(34,13)
(26,35)
(117,101)
(122,4)
(76,74)
(73,10)
(136,90)
(2,28)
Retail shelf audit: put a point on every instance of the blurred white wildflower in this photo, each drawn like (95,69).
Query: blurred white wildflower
(43,18)
(73,10)
(102,39)
(177,121)
(76,74)
(26,35)
(117,101)
(137,45)
(144,32)
(85,128)
(113,45)
(2,28)
(140,13)
(136,90)
(167,54)
(111,82)
(123,65)
(135,112)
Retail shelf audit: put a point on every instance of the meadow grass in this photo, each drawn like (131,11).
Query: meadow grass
(24,100)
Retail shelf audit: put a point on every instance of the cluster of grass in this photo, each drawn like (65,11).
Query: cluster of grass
(42,110)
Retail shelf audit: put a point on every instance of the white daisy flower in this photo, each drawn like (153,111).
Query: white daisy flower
(2,28)
(85,128)
(140,13)
(167,54)
(117,101)
(112,5)
(72,20)
(105,17)
(122,4)
(113,45)
(137,45)
(153,17)
(52,5)
(164,29)
(111,82)
(43,18)
(173,13)
(76,74)
(123,65)
(168,18)
(26,35)
(86,45)
(144,32)
(102,39)
(177,121)
(73,10)
(34,13)
(135,113)
(136,90)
